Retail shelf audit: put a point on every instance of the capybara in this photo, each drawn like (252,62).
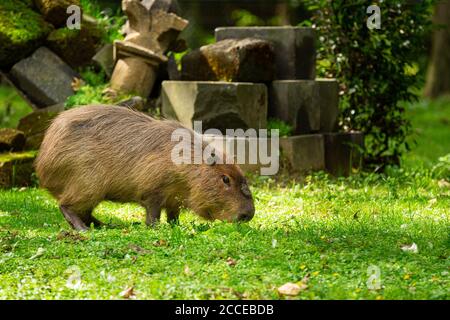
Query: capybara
(101,152)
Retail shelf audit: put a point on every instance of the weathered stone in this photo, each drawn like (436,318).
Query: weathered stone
(34,126)
(251,153)
(11,140)
(304,152)
(136,103)
(44,77)
(246,60)
(55,11)
(22,30)
(343,152)
(104,58)
(151,32)
(307,105)
(76,47)
(295,53)
(220,105)
(16,169)
(170,6)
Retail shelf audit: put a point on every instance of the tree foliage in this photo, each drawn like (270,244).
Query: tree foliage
(377,68)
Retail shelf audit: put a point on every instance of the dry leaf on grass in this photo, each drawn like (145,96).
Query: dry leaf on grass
(160,243)
(231,262)
(77,83)
(138,249)
(128,293)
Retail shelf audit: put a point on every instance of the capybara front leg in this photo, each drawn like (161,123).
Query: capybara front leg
(153,215)
(88,219)
(73,219)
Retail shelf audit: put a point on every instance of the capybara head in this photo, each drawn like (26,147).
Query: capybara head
(220,191)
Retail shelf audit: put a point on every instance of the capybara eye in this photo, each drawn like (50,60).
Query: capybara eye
(226,180)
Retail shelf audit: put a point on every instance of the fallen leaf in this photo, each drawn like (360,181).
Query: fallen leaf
(231,262)
(443,183)
(160,243)
(77,83)
(410,248)
(138,249)
(39,252)
(290,289)
(128,293)
(432,201)
(70,235)
(187,271)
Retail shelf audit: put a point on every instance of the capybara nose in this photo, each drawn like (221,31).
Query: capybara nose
(246,216)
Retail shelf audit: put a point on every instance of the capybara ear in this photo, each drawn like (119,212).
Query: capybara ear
(211,159)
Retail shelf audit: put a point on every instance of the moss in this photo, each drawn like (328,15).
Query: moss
(17,156)
(16,169)
(22,30)
(76,47)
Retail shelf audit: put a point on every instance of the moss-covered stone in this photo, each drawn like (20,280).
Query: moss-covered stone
(22,31)
(76,47)
(55,11)
(11,140)
(16,169)
(34,126)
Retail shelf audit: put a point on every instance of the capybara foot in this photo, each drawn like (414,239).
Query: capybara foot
(73,219)
(91,220)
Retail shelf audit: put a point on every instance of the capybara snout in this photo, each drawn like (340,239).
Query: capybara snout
(95,153)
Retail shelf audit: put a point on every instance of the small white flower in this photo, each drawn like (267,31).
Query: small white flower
(274,243)
(410,248)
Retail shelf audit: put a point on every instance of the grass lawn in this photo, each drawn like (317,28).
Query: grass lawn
(332,233)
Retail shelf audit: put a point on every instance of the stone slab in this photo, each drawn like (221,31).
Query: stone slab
(35,124)
(343,152)
(251,153)
(304,152)
(219,105)
(295,52)
(16,169)
(309,106)
(236,60)
(11,140)
(44,78)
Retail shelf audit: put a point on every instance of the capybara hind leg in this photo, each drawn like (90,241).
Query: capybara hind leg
(172,215)
(153,213)
(73,219)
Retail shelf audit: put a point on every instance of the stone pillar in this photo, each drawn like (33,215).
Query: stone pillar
(150,31)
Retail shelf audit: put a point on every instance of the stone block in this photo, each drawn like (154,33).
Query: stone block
(295,52)
(76,47)
(104,58)
(252,154)
(307,105)
(55,11)
(304,152)
(11,140)
(245,60)
(34,126)
(44,77)
(343,152)
(219,105)
(16,169)
(22,30)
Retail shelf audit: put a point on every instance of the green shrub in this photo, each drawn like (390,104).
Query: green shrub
(377,69)
(285,129)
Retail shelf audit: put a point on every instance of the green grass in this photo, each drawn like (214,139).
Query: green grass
(12,108)
(330,230)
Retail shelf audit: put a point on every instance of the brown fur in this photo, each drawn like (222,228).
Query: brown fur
(96,153)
